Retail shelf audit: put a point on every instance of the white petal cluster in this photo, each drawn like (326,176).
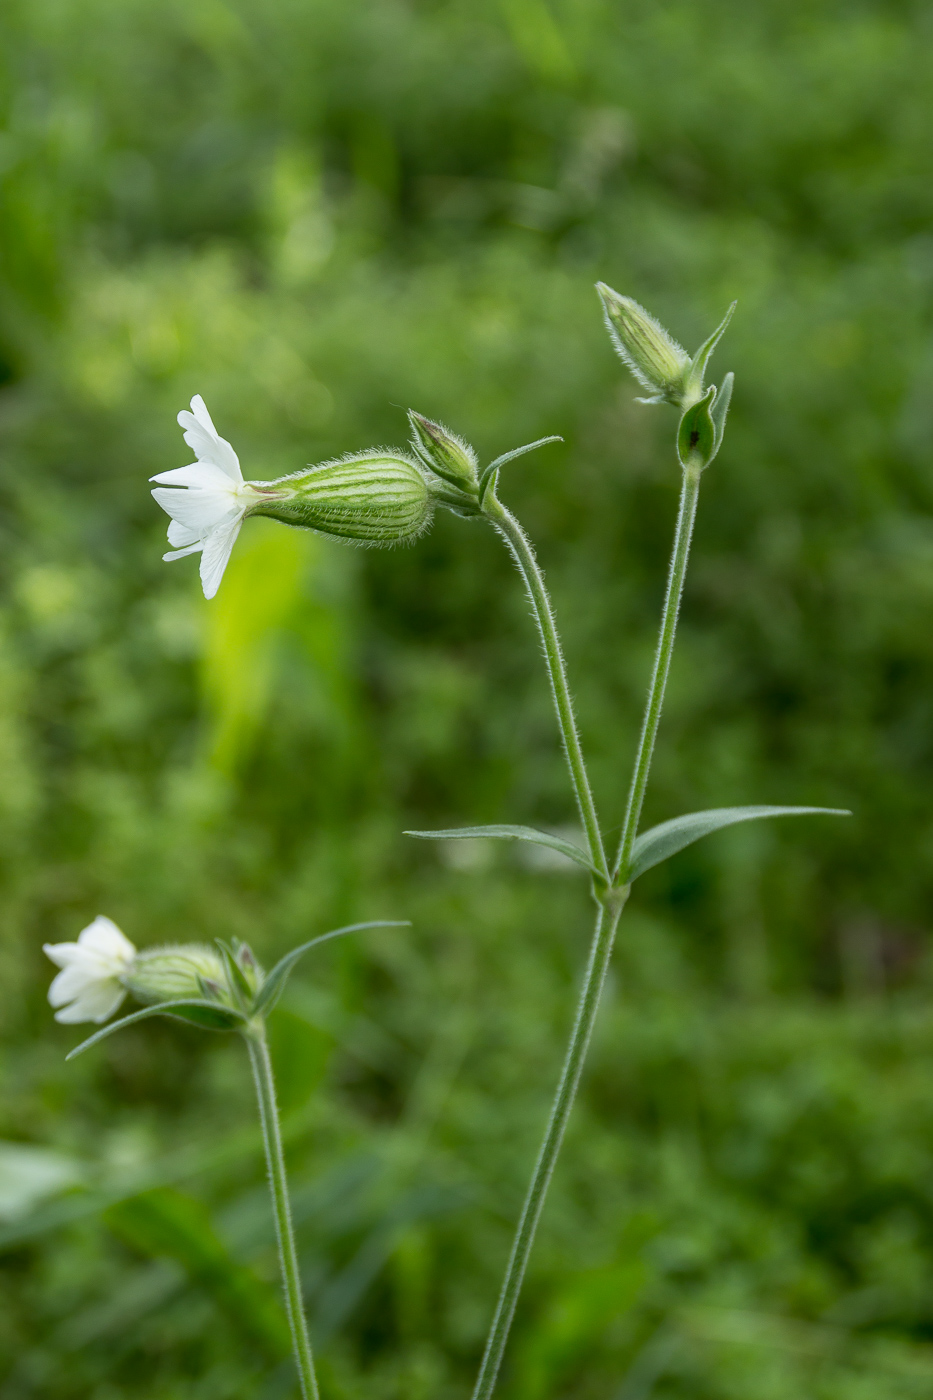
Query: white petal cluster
(89,988)
(208,513)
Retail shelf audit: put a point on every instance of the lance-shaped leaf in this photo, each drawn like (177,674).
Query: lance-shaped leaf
(702,356)
(206,1014)
(655,845)
(274,985)
(509,457)
(510,833)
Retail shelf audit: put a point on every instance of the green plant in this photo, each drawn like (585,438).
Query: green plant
(671,376)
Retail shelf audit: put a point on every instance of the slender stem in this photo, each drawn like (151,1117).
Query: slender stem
(662,664)
(524,556)
(278,1185)
(607,921)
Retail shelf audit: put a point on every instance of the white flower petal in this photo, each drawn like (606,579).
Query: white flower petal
(182,535)
(200,511)
(171,555)
(63,954)
(97,1003)
(102,936)
(204,440)
(73,981)
(203,476)
(216,553)
(199,409)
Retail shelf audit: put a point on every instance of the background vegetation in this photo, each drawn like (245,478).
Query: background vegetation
(316,214)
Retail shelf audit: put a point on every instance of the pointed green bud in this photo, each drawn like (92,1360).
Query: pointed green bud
(696,437)
(654,357)
(447,455)
(176,971)
(374,498)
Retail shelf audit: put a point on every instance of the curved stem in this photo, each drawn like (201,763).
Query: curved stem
(607,921)
(524,556)
(662,663)
(278,1185)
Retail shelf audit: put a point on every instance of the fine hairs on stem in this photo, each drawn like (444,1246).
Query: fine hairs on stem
(278,1187)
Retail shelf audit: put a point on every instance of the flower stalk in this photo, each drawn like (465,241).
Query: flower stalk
(222,989)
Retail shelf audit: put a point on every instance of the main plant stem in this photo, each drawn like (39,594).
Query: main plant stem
(278,1186)
(611,895)
(607,920)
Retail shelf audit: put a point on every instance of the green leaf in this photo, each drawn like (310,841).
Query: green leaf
(655,845)
(720,408)
(274,985)
(696,436)
(510,833)
(242,991)
(508,457)
(701,358)
(206,1014)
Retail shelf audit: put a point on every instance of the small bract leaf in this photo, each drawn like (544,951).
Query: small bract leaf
(236,977)
(720,408)
(274,985)
(655,845)
(696,436)
(206,1014)
(509,457)
(701,358)
(510,833)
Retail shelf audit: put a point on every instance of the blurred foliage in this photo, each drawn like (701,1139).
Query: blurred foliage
(316,215)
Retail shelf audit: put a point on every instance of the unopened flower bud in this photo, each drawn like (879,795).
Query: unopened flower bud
(447,455)
(654,357)
(375,498)
(177,971)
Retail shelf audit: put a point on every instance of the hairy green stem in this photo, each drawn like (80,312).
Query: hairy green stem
(524,556)
(278,1185)
(607,921)
(689,492)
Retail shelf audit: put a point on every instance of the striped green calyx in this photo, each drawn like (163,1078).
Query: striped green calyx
(177,971)
(374,498)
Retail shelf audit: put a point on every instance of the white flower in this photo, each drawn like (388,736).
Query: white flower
(208,515)
(89,988)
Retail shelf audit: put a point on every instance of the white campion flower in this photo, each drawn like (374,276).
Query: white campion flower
(89,986)
(208,514)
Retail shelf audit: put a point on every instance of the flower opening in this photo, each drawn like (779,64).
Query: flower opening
(89,986)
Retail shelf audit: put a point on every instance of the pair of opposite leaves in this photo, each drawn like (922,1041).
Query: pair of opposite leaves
(649,849)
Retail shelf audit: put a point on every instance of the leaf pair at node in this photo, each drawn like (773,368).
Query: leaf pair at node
(649,849)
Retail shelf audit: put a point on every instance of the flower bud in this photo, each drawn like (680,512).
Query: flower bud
(375,498)
(177,971)
(447,455)
(654,357)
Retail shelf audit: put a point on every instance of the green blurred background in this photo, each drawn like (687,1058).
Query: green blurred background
(317,214)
